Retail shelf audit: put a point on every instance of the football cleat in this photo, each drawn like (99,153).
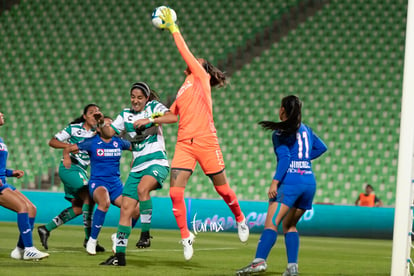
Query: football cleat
(116,260)
(254,267)
(44,235)
(99,248)
(17,253)
(291,271)
(91,246)
(188,246)
(144,240)
(31,253)
(243,230)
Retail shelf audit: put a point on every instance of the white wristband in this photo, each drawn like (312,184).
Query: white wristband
(151,120)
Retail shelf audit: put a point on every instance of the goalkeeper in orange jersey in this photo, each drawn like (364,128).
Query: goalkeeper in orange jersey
(197,139)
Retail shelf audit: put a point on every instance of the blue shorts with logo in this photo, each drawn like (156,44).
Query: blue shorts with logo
(296,195)
(114,188)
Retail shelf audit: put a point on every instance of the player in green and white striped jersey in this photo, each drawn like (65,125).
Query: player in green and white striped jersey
(75,179)
(140,124)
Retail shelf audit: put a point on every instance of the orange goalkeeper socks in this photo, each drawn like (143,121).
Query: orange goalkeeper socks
(179,210)
(230,198)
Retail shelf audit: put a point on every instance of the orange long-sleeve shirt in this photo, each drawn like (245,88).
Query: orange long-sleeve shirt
(193,102)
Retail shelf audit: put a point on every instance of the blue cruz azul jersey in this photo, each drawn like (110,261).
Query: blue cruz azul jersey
(294,154)
(105,157)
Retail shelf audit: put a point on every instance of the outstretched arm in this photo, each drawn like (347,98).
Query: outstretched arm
(167,118)
(195,67)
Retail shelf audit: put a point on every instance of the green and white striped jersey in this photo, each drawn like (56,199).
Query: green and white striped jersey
(148,147)
(75,133)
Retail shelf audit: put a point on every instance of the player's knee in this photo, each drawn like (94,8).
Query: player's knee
(143,193)
(289,228)
(32,209)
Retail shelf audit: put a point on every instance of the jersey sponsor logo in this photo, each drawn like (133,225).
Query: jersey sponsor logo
(299,171)
(108,152)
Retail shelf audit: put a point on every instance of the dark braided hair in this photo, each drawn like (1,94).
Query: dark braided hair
(293,108)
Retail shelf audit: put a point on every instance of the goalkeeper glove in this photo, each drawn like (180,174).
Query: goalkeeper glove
(169,22)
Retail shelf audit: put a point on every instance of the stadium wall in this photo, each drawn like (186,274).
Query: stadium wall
(213,215)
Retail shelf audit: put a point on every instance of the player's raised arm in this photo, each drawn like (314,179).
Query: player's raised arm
(193,64)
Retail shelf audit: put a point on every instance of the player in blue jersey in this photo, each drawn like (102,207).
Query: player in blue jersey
(14,200)
(293,186)
(74,179)
(105,186)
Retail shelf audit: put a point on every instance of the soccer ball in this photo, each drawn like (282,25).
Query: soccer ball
(155,16)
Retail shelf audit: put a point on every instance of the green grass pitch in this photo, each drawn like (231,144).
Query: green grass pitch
(215,254)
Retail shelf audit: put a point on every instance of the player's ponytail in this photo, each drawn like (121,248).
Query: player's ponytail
(218,78)
(293,109)
(81,119)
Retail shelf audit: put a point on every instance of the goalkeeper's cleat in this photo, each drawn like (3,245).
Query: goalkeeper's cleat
(31,253)
(254,267)
(144,240)
(99,248)
(188,246)
(243,230)
(291,270)
(44,235)
(17,253)
(116,260)
(113,239)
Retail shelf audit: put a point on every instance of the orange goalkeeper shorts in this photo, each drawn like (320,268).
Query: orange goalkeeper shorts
(204,150)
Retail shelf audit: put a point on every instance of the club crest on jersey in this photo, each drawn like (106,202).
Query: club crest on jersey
(100,152)
(115,143)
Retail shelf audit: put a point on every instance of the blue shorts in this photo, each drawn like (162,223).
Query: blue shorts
(6,185)
(114,189)
(298,196)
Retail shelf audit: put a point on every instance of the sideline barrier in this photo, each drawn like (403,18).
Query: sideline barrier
(214,215)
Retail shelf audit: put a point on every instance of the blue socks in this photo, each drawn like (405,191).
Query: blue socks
(25,229)
(292,246)
(266,242)
(97,223)
(20,243)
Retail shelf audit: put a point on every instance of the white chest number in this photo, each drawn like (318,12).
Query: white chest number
(303,144)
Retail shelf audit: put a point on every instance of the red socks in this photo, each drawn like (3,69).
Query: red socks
(180,210)
(230,198)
